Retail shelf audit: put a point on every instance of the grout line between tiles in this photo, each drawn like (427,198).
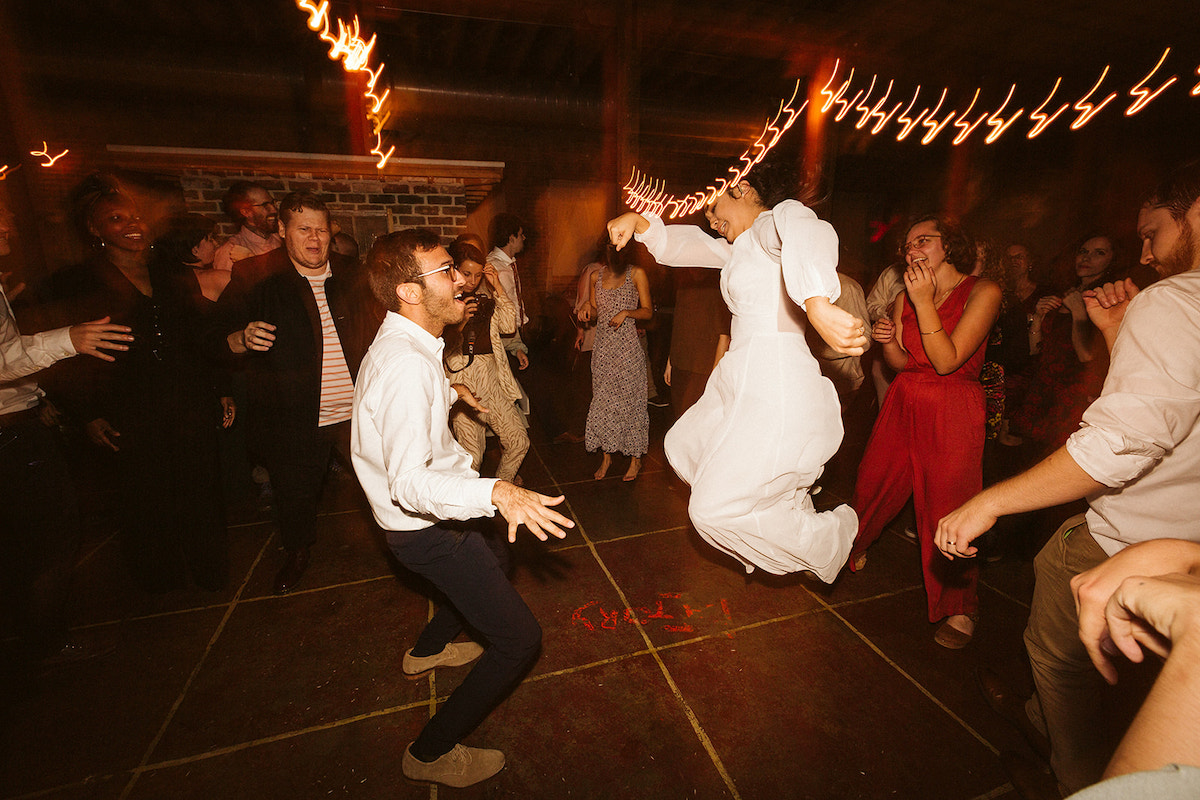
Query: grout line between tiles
(654,653)
(999,791)
(903,673)
(137,772)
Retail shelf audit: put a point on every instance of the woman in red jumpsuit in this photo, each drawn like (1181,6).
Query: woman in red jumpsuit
(928,439)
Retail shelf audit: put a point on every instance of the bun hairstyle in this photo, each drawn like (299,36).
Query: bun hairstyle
(775,179)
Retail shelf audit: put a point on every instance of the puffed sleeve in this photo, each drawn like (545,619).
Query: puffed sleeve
(683,245)
(808,252)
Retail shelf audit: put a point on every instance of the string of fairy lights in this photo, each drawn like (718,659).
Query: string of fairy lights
(646,193)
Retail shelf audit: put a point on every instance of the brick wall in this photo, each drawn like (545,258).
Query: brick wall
(363,207)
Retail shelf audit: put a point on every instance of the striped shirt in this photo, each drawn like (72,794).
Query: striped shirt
(337,387)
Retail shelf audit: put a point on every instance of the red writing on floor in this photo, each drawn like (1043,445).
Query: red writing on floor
(669,607)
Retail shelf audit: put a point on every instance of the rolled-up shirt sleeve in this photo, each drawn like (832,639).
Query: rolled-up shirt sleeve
(1151,398)
(406,423)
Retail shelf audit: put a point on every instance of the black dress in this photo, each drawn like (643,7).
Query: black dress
(160,396)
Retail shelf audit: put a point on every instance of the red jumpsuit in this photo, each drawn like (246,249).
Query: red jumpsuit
(927,443)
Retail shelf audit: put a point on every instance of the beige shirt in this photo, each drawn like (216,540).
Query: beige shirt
(1141,437)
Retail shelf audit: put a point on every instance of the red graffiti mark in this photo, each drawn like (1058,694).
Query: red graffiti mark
(578,616)
(662,608)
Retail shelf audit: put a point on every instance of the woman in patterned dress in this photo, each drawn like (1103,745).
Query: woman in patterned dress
(617,420)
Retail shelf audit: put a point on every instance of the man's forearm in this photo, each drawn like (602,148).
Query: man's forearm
(1054,480)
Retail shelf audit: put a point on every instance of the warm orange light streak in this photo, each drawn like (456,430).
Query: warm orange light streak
(45,153)
(1196,89)
(824,90)
(932,124)
(997,123)
(874,111)
(318,16)
(354,54)
(835,97)
(1040,119)
(837,100)
(1088,110)
(1142,94)
(966,129)
(859,105)
(3,172)
(908,122)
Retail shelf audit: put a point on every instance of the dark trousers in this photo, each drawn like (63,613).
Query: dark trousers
(465,568)
(39,534)
(297,475)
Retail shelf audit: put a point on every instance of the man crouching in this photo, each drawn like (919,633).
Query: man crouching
(416,476)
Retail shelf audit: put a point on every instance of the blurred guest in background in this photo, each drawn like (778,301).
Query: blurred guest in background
(40,534)
(475,358)
(154,408)
(618,421)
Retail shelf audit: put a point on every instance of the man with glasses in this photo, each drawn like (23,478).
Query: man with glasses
(251,208)
(416,476)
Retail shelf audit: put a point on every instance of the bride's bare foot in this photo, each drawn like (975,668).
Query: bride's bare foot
(860,562)
(605,463)
(635,466)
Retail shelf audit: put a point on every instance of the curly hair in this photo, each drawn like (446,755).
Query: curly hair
(393,261)
(958,247)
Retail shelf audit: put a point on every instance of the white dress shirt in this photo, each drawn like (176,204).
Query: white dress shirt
(1141,437)
(506,270)
(22,356)
(412,470)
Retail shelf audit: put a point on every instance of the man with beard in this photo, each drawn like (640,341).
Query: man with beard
(416,476)
(251,208)
(1135,458)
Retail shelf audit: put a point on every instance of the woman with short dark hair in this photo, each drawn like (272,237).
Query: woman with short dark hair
(928,438)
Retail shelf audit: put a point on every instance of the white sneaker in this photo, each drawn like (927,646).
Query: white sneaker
(462,766)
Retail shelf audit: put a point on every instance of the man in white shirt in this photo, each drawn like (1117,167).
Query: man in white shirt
(415,477)
(40,531)
(251,208)
(1135,457)
(538,381)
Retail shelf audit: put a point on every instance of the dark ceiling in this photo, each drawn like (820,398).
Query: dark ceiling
(521,80)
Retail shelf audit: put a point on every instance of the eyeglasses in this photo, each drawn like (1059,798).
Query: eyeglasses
(443,268)
(918,243)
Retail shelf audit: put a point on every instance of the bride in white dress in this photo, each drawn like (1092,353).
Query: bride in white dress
(760,435)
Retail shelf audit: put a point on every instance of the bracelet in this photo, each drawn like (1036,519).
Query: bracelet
(930,333)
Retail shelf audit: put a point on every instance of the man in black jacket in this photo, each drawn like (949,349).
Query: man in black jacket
(299,318)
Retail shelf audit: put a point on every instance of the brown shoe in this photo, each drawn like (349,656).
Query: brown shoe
(293,567)
(1005,702)
(462,766)
(951,637)
(455,654)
